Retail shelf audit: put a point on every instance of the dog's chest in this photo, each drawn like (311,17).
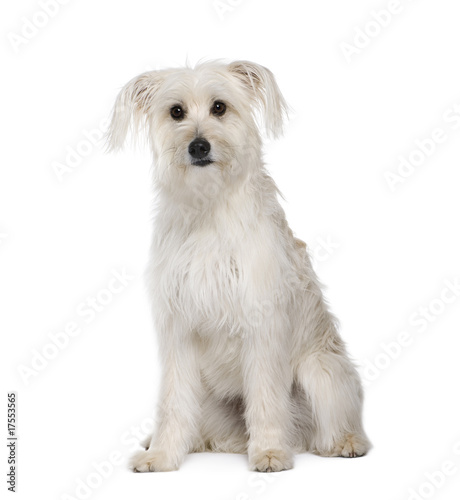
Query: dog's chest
(205,271)
(212,277)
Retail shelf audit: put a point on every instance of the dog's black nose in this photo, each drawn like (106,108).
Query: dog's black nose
(199,148)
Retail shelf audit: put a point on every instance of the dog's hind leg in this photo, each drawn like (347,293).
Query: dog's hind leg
(333,388)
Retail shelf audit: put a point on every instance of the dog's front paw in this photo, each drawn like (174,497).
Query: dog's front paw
(270,461)
(152,461)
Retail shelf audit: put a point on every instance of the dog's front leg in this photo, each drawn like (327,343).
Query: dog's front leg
(179,405)
(267,398)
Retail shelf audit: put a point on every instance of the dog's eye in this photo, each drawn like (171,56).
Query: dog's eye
(177,113)
(218,108)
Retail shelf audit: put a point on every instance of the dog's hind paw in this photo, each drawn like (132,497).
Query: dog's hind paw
(350,446)
(270,461)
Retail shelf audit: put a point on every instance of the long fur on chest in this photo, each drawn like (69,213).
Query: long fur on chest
(220,267)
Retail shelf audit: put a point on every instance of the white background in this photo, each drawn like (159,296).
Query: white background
(384,254)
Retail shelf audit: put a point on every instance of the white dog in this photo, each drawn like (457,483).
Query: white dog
(252,361)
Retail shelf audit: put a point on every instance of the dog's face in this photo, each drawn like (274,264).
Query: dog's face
(202,122)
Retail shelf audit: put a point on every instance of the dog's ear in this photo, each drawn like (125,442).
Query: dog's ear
(132,108)
(261,85)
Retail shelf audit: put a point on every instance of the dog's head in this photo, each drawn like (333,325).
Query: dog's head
(200,122)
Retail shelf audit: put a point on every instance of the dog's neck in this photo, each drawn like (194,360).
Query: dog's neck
(248,200)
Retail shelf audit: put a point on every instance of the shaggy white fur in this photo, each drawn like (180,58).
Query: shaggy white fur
(252,361)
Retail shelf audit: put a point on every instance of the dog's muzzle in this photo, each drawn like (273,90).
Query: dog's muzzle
(199,150)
